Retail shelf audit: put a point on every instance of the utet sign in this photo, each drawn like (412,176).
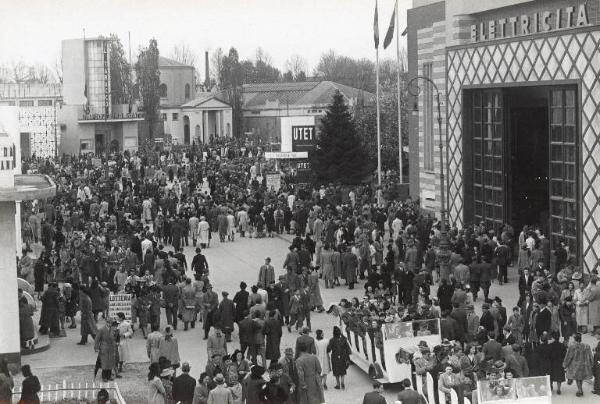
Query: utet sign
(303,138)
(120,302)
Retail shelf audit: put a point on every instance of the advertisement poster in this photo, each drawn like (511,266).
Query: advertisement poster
(119,303)
(274,181)
(303,138)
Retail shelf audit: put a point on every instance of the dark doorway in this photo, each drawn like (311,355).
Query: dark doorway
(25,145)
(99,143)
(186,130)
(528,151)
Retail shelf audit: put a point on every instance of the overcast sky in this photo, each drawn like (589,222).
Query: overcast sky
(31,30)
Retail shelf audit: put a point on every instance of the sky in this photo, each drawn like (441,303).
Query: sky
(31,31)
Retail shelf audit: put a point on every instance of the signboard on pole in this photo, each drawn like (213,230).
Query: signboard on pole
(119,303)
(273,181)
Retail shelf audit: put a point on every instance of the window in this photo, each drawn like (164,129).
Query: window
(162,90)
(187,91)
(175,117)
(163,117)
(428,118)
(85,145)
(27,103)
(44,103)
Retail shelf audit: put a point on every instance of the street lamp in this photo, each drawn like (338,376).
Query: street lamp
(443,253)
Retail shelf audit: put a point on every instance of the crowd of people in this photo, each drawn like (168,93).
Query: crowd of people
(120,225)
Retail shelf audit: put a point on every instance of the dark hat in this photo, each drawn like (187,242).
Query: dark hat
(289,350)
(422,344)
(305,330)
(485,306)
(257,371)
(497,299)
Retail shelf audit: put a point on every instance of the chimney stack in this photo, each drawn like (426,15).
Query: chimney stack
(206,74)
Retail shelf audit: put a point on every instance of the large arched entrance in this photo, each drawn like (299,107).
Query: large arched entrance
(186,130)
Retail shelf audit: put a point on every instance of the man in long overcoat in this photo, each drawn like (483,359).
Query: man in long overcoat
(106,347)
(210,304)
(88,325)
(226,315)
(310,389)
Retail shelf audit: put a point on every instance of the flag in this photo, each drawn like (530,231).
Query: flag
(390,32)
(376,27)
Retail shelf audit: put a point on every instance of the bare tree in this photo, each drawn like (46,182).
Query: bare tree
(41,74)
(216,65)
(19,72)
(262,56)
(296,64)
(184,54)
(58,68)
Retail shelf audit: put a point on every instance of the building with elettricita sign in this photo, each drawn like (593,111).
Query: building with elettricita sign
(521,118)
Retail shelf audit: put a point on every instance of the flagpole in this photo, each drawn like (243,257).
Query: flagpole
(378,120)
(400,70)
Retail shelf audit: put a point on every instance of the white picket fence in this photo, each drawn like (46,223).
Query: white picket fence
(73,391)
(441,395)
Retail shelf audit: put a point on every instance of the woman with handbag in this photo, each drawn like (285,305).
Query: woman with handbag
(339,351)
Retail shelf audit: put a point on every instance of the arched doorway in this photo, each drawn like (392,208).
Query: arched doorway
(186,130)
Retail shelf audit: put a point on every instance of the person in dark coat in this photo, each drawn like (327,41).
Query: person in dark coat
(339,351)
(281,298)
(349,267)
(305,340)
(39,274)
(544,356)
(375,396)
(49,314)
(29,387)
(184,386)
(459,315)
(241,302)
(310,389)
(558,350)
(253,384)
(88,325)
(543,321)
(226,315)
(26,327)
(106,346)
(272,392)
(444,294)
(272,330)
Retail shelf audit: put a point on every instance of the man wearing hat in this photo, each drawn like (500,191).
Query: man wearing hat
(106,346)
(305,340)
(199,263)
(226,315)
(273,391)
(220,394)
(210,304)
(266,274)
(472,323)
(184,385)
(310,388)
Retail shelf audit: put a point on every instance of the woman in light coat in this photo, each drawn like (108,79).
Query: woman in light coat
(321,347)
(156,390)
(581,307)
(125,334)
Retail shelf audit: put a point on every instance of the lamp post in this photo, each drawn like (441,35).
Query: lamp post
(443,252)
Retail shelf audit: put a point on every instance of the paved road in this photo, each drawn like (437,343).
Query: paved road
(230,263)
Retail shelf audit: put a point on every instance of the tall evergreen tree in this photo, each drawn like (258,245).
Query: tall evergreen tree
(340,155)
(148,81)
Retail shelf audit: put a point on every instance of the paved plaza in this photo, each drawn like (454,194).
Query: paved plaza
(230,263)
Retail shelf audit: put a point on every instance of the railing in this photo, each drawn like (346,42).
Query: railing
(73,391)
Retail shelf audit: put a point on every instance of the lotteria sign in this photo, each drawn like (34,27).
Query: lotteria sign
(532,23)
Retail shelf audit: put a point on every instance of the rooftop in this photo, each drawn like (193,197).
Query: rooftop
(310,93)
(202,97)
(166,62)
